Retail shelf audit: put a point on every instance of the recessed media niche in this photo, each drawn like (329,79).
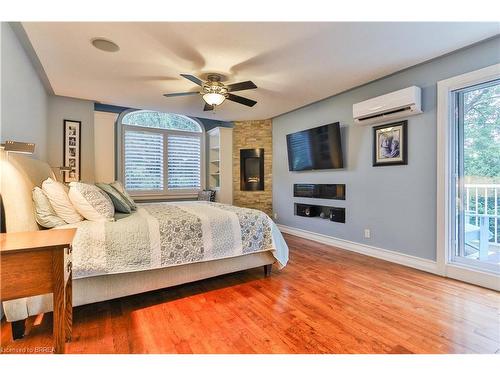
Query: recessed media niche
(336,214)
(324,191)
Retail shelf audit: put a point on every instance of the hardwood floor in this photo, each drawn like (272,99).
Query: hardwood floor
(325,301)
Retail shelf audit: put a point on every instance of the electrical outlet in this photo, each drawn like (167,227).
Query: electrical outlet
(367,233)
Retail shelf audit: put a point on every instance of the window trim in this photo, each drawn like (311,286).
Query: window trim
(444,214)
(165,194)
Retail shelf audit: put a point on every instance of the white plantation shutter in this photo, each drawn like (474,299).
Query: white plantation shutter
(184,162)
(143,160)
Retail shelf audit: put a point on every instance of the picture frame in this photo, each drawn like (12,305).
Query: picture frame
(72,149)
(390,144)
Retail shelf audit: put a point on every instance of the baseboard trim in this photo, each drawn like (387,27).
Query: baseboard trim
(372,251)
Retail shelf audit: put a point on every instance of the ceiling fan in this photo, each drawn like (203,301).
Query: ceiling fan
(214,92)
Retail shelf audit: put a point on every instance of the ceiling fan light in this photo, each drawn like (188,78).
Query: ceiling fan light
(214,99)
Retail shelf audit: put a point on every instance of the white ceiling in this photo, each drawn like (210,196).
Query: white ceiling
(293,64)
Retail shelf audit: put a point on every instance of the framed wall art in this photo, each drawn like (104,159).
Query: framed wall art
(390,144)
(71,150)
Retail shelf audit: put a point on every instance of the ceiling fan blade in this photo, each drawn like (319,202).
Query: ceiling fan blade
(192,78)
(208,107)
(247,85)
(241,100)
(181,94)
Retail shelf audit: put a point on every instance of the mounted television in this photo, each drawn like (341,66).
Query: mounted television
(316,148)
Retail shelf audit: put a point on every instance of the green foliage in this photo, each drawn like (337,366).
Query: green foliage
(160,120)
(482,134)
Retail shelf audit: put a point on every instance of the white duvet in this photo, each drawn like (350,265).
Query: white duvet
(167,234)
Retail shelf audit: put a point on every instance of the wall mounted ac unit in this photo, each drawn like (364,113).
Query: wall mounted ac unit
(398,104)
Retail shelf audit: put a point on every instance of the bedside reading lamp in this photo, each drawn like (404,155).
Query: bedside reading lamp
(18,147)
(63,169)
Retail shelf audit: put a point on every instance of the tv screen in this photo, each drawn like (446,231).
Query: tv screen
(316,148)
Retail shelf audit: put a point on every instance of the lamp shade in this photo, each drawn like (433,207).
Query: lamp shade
(214,99)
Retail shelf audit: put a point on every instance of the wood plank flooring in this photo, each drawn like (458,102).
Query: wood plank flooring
(325,301)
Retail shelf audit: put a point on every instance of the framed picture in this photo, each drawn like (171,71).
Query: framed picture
(71,149)
(390,144)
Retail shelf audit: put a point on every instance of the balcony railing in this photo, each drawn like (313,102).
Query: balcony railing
(482,216)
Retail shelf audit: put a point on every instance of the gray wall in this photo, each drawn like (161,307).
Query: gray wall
(24,100)
(398,203)
(62,108)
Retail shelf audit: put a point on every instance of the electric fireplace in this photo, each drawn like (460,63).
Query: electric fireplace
(252,169)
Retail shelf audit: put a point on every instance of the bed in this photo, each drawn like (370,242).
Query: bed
(159,245)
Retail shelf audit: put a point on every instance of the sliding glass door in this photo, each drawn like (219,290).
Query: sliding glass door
(475,159)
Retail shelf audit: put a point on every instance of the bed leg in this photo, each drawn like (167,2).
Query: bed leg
(18,329)
(267,269)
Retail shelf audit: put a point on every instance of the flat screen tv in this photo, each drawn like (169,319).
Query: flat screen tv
(316,148)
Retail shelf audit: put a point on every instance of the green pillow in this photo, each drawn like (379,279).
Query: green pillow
(119,202)
(119,187)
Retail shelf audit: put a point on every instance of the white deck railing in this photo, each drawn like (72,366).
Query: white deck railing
(481,208)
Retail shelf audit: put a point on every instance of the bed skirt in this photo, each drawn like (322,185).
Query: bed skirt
(106,287)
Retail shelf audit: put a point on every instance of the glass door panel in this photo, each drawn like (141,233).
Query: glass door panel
(477,176)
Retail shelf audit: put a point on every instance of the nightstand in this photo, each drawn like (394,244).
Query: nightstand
(34,263)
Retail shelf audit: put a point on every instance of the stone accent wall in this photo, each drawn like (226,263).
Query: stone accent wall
(253,134)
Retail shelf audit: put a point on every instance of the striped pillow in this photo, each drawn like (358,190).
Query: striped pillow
(120,203)
(44,213)
(119,187)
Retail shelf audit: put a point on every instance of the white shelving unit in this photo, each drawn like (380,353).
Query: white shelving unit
(220,166)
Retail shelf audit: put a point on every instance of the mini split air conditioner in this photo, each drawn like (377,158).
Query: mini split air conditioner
(398,104)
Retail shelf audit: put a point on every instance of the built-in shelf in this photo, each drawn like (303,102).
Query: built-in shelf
(336,214)
(214,180)
(323,191)
(220,164)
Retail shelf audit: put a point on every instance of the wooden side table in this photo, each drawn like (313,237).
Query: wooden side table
(34,263)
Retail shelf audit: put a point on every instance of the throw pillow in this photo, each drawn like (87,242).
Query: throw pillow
(57,193)
(119,187)
(44,213)
(206,195)
(121,205)
(91,202)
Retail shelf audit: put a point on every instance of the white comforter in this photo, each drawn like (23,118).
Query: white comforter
(168,234)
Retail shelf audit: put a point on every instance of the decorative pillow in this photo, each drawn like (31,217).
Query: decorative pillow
(206,195)
(91,202)
(119,187)
(121,205)
(44,213)
(57,193)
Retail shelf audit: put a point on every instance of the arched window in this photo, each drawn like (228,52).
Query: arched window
(160,120)
(162,153)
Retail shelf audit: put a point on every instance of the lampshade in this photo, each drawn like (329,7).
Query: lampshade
(214,98)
